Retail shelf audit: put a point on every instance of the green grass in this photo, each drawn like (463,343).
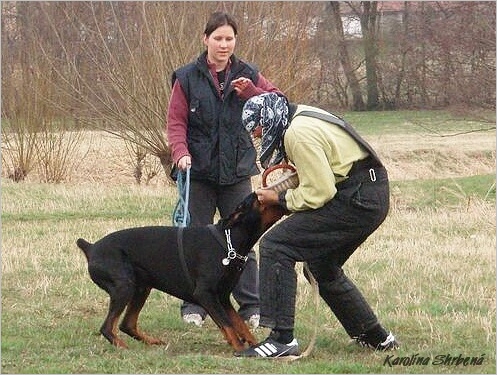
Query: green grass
(428,271)
(409,122)
(432,283)
(445,192)
(62,204)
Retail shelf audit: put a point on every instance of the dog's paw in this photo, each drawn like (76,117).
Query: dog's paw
(153,341)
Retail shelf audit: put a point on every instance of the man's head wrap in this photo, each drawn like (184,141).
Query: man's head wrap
(270,111)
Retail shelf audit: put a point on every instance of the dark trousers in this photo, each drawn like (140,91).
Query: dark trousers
(204,199)
(324,238)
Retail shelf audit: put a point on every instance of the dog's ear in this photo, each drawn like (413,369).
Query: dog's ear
(247,204)
(246,207)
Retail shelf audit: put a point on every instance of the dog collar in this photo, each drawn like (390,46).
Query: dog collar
(226,243)
(232,254)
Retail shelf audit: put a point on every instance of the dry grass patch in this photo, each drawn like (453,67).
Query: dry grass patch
(429,274)
(429,271)
(104,158)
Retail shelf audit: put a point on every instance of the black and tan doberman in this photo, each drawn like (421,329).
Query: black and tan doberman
(196,264)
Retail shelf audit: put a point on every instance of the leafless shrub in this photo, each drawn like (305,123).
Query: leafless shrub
(145,166)
(54,153)
(132,56)
(18,156)
(35,135)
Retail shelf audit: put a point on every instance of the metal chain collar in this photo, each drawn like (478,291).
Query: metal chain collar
(232,254)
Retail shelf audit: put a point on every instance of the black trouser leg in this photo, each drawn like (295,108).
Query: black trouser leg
(278,289)
(348,304)
(205,198)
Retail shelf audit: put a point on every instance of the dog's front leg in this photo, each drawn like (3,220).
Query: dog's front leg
(240,326)
(231,337)
(210,302)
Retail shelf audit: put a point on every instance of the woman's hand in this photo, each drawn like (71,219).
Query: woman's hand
(184,163)
(241,84)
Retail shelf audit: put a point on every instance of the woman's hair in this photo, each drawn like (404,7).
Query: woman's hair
(218,19)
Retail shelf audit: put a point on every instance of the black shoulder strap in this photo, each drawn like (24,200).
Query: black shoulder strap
(345,126)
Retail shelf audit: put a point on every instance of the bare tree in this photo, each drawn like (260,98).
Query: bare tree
(333,25)
(369,25)
(34,135)
(108,65)
(440,54)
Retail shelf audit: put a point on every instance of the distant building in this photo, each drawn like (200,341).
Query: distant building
(390,13)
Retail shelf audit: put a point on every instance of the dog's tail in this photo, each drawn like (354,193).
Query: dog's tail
(85,246)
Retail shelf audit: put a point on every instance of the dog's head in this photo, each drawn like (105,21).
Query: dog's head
(254,215)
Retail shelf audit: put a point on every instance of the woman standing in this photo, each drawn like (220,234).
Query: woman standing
(205,134)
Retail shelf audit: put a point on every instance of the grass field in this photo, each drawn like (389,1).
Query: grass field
(429,271)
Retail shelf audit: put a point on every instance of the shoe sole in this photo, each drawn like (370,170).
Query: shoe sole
(288,358)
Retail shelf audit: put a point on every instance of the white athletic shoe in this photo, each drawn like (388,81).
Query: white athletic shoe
(253,321)
(193,319)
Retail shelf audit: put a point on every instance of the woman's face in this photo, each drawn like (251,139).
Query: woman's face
(220,44)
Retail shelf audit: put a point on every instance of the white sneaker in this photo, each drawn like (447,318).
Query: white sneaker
(193,319)
(253,321)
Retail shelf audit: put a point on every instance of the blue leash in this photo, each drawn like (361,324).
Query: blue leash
(181,215)
(181,218)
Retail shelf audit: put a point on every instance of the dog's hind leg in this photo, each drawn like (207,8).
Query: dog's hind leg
(119,285)
(118,302)
(129,324)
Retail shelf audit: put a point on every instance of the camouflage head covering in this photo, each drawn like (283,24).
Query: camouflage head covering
(270,111)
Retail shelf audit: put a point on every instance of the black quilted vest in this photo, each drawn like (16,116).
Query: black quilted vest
(222,150)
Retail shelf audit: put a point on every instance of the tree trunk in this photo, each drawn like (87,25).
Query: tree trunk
(357,102)
(369,25)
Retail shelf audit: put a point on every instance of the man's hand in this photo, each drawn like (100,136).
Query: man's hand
(267,197)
